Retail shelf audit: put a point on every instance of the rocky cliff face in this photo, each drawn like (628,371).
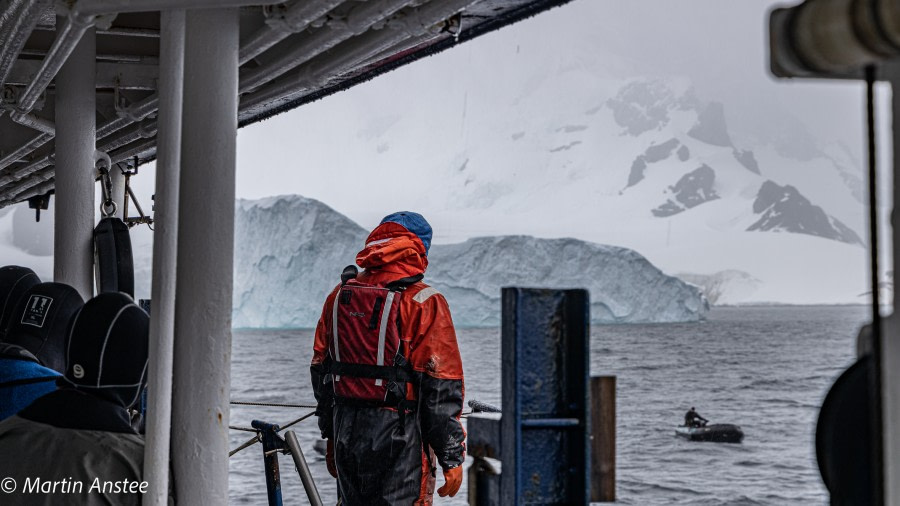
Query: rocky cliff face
(693,189)
(784,209)
(644,106)
(655,153)
(710,127)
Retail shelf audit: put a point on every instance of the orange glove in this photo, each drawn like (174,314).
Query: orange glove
(452,481)
(329,458)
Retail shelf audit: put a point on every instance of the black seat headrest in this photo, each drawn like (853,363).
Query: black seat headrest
(41,320)
(107,348)
(14,280)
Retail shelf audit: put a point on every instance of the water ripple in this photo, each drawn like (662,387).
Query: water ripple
(765,369)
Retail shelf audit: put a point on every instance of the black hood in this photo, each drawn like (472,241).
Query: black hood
(107,348)
(40,322)
(14,280)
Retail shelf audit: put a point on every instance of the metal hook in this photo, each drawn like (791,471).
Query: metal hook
(106,205)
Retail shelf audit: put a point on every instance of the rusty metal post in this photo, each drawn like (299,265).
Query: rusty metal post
(271,444)
(603,439)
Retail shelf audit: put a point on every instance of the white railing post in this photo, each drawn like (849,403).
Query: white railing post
(165,244)
(73,255)
(202,360)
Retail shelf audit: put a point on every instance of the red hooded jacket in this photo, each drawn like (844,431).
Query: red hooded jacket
(371,468)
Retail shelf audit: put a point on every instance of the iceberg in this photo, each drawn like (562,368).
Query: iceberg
(290,250)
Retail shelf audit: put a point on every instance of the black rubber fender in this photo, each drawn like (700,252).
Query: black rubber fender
(113,261)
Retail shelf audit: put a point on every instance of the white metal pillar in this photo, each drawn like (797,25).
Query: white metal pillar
(73,254)
(162,317)
(890,343)
(202,361)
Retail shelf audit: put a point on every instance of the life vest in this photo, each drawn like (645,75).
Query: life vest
(368,358)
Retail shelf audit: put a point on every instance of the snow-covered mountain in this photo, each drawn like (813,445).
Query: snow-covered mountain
(566,149)
(289,252)
(642,163)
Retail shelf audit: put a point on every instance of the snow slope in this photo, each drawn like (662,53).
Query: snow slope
(523,134)
(641,163)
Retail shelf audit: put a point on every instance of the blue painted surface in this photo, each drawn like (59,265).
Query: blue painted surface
(545,424)
(271,441)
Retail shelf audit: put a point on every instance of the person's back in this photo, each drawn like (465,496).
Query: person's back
(76,445)
(32,351)
(379,417)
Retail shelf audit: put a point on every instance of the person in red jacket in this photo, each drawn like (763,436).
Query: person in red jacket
(387,374)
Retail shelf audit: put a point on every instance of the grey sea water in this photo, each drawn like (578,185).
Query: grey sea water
(766,369)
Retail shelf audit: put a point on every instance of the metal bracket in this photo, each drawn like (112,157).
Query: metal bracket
(9,96)
(38,203)
(273,444)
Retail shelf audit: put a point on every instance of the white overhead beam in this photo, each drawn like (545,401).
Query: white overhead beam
(283,21)
(408,24)
(124,76)
(358,20)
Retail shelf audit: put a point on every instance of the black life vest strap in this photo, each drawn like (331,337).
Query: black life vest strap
(404,283)
(387,372)
(404,406)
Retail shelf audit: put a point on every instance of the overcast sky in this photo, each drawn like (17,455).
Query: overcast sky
(721,45)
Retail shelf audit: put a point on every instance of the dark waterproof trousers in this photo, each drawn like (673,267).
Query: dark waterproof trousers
(378,461)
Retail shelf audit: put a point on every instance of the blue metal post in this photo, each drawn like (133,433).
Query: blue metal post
(272,444)
(545,425)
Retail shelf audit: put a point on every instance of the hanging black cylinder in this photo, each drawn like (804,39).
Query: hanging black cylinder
(833,38)
(113,261)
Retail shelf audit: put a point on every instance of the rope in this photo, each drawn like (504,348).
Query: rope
(304,417)
(249,443)
(245,429)
(274,404)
